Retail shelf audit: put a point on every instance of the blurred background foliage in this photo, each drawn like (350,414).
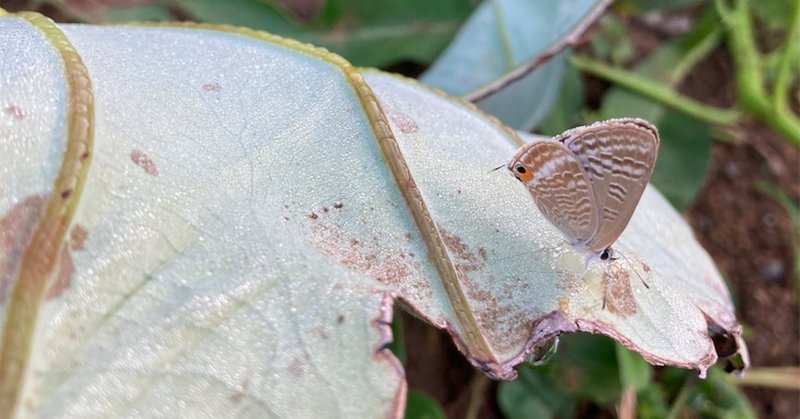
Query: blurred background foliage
(610,73)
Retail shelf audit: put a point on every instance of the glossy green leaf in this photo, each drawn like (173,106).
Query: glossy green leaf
(683,159)
(566,111)
(499,37)
(422,406)
(536,393)
(719,397)
(634,372)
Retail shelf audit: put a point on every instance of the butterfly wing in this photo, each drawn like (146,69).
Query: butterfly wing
(618,157)
(561,189)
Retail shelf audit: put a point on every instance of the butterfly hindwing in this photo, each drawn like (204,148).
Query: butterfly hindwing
(618,156)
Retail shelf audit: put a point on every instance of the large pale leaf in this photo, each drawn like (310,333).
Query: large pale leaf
(242,211)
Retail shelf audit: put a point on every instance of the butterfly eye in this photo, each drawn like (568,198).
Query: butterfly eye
(519,168)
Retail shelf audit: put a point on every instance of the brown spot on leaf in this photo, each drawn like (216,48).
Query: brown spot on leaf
(645,267)
(406,124)
(141,159)
(467,261)
(482,253)
(618,293)
(16,227)
(243,391)
(563,304)
(63,277)
(410,183)
(363,256)
(212,87)
(297,368)
(77,237)
(15,112)
(323,334)
(313,215)
(66,193)
(340,319)
(338,205)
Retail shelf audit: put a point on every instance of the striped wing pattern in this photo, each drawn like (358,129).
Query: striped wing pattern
(562,189)
(618,156)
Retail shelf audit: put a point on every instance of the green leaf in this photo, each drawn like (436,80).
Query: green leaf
(398,344)
(587,365)
(421,406)
(683,159)
(718,396)
(633,370)
(499,37)
(535,394)
(372,33)
(642,6)
(254,14)
(566,111)
(651,402)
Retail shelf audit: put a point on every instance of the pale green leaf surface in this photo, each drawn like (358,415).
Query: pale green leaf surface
(194,295)
(32,112)
(244,239)
(515,266)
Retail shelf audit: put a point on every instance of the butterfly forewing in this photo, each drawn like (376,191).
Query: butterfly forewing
(561,189)
(618,156)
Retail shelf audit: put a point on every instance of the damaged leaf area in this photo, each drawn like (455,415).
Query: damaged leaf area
(253,210)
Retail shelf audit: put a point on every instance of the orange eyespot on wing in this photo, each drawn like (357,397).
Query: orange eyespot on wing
(561,188)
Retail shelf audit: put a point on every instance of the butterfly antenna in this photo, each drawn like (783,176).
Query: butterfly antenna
(497,168)
(633,268)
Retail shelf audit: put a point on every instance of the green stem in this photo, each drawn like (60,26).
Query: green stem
(693,56)
(782,79)
(656,91)
(749,77)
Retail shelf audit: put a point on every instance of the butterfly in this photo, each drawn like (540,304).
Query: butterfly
(587,181)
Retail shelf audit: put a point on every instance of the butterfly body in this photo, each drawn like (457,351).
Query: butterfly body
(588,180)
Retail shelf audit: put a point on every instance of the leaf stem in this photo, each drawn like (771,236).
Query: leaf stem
(656,91)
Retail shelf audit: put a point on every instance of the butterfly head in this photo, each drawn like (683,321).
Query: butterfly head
(520,171)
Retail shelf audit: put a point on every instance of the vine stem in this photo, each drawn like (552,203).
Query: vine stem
(656,91)
(783,79)
(749,75)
